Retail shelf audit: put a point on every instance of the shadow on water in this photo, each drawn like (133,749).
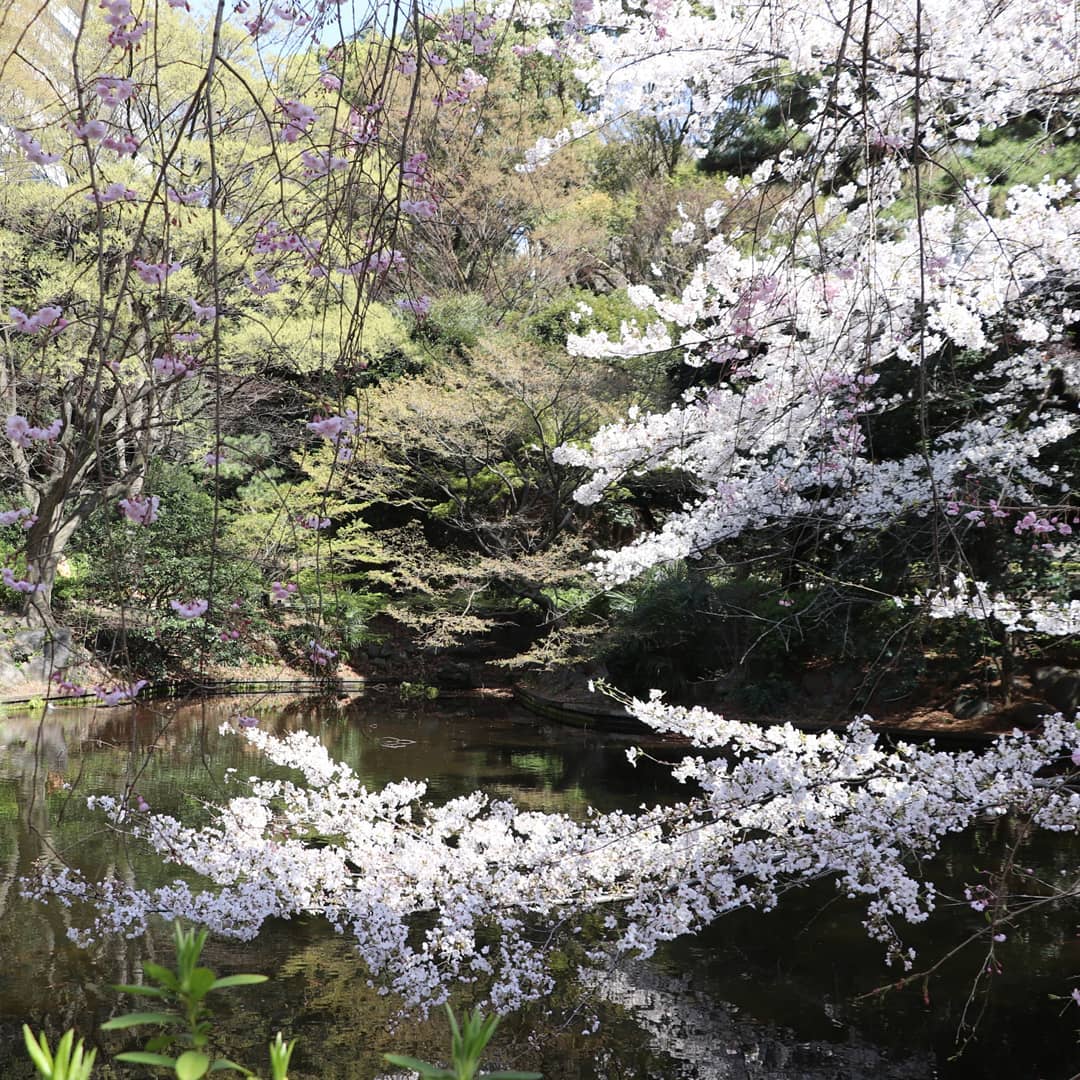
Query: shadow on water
(755,996)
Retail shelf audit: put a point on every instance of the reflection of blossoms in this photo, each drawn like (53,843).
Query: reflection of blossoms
(778,808)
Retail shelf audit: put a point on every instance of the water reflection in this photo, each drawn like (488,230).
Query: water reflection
(757,996)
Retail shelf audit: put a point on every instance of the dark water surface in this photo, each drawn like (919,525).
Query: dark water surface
(757,996)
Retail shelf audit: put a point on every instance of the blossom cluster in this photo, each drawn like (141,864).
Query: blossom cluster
(23,434)
(434,895)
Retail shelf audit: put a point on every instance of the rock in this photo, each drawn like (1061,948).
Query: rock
(10,675)
(970,706)
(1060,687)
(45,651)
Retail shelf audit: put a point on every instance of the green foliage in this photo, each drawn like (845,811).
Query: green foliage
(468,1041)
(69,1062)
(183,1012)
(663,631)
(1020,152)
(146,567)
(578,311)
(280,1055)
(456,323)
(762,119)
(349,611)
(182,993)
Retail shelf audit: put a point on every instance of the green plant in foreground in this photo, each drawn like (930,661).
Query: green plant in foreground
(69,1061)
(467,1044)
(185,1014)
(280,1055)
(183,995)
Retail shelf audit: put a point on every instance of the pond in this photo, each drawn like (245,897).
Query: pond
(756,996)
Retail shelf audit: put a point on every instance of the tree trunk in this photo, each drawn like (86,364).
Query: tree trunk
(45,545)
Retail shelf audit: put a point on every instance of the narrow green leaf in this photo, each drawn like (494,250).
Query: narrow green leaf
(39,1052)
(118,1023)
(191,1065)
(238,980)
(62,1057)
(145,991)
(141,1057)
(159,1042)
(224,1063)
(424,1068)
(455,1031)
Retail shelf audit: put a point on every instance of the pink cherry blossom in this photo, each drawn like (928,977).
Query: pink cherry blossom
(10,517)
(119,694)
(202,312)
(415,170)
(140,510)
(19,584)
(262,283)
(319,655)
(67,688)
(420,306)
(334,428)
(20,432)
(115,192)
(33,151)
(122,145)
(127,37)
(281,592)
(44,318)
(90,129)
(113,89)
(321,163)
(154,273)
(421,209)
(173,367)
(259,24)
(191,609)
(26,324)
(195,197)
